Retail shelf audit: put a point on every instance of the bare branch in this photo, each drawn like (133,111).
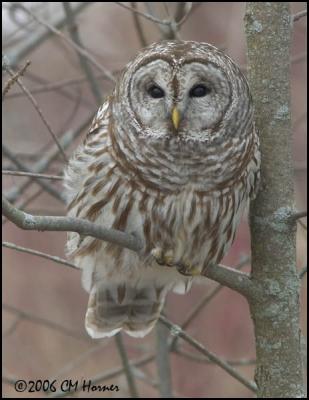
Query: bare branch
(35,105)
(32,174)
(46,186)
(303,272)
(203,359)
(126,366)
(145,15)
(38,253)
(298,215)
(79,49)
(176,330)
(45,322)
(138,25)
(34,40)
(73,29)
(63,224)
(163,361)
(14,78)
(299,15)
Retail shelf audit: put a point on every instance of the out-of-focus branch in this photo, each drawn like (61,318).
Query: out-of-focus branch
(14,78)
(32,174)
(298,215)
(138,25)
(38,253)
(34,40)
(79,49)
(176,330)
(45,322)
(49,189)
(126,366)
(73,29)
(203,302)
(163,361)
(47,158)
(35,104)
(299,15)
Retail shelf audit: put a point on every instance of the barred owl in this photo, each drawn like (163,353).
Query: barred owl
(172,157)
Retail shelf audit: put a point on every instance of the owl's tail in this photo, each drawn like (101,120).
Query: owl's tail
(116,307)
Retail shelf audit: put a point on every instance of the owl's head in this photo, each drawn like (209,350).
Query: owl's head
(183,91)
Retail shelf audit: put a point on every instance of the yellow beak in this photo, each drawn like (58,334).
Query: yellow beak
(175,117)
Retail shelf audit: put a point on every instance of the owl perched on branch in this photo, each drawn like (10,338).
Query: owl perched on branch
(172,157)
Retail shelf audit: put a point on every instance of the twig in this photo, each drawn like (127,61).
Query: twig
(176,330)
(145,15)
(203,359)
(203,302)
(35,105)
(138,25)
(109,375)
(79,49)
(73,29)
(299,15)
(163,361)
(38,253)
(14,78)
(45,322)
(22,166)
(126,366)
(35,40)
(47,158)
(23,173)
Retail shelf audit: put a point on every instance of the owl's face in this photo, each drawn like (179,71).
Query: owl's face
(184,101)
(183,91)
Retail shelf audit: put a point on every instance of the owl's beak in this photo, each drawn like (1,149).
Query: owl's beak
(175,117)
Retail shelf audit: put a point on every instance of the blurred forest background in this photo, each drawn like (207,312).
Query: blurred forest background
(43,301)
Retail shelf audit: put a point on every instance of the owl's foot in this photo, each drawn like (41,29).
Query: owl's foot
(187,269)
(163,258)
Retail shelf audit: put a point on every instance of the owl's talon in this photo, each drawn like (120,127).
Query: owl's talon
(163,258)
(187,269)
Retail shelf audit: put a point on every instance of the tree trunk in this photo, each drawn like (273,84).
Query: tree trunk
(276,313)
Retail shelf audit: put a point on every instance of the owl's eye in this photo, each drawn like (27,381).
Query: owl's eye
(156,92)
(199,91)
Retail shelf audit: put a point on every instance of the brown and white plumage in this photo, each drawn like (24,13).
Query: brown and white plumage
(180,184)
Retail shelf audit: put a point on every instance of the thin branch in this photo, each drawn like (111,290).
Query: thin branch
(303,272)
(108,375)
(235,280)
(176,330)
(163,361)
(203,359)
(299,15)
(138,25)
(38,253)
(47,158)
(14,78)
(142,14)
(203,302)
(63,224)
(35,105)
(126,365)
(73,29)
(79,49)
(35,40)
(44,322)
(32,174)
(298,215)
(46,186)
